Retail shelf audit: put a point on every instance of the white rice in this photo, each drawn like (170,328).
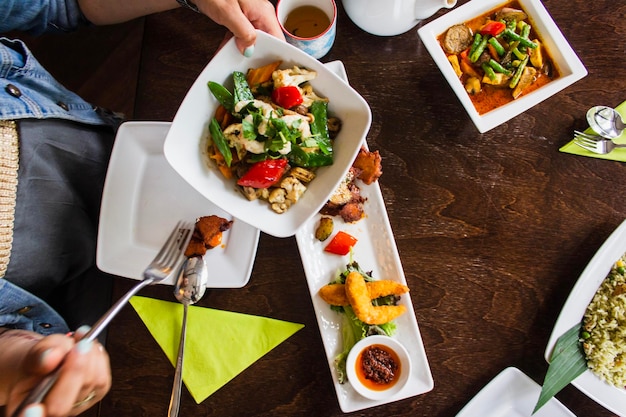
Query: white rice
(604,328)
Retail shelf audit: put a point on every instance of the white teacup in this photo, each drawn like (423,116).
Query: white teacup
(317,43)
(392,17)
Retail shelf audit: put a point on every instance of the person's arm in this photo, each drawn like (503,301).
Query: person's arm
(25,357)
(241,17)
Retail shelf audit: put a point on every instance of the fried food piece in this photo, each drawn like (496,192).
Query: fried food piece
(207,234)
(358,296)
(369,166)
(335,294)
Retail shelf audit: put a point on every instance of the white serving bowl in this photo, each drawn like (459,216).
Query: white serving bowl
(387,343)
(185,143)
(570,67)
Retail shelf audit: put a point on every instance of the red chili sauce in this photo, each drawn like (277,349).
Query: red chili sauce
(378,367)
(491,97)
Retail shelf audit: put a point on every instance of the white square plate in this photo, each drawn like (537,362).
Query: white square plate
(566,60)
(512,394)
(143,199)
(375,251)
(574,309)
(186,141)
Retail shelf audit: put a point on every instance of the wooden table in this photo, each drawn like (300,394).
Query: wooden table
(493,230)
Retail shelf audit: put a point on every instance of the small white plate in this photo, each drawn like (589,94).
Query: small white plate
(569,65)
(512,394)
(375,251)
(185,145)
(143,199)
(610,397)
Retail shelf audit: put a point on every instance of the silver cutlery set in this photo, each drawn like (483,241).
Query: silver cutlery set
(608,124)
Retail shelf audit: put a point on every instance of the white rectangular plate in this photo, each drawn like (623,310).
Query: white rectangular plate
(612,249)
(375,251)
(512,394)
(143,199)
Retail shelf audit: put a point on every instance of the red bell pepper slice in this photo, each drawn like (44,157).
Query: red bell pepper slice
(264,174)
(287,97)
(493,28)
(341,243)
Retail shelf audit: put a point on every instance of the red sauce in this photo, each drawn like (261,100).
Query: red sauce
(378,367)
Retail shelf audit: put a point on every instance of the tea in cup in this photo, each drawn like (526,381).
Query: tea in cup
(310,25)
(392,17)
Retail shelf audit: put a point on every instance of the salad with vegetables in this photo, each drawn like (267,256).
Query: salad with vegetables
(498,57)
(271,133)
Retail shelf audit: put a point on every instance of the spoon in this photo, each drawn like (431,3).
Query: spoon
(189,289)
(605,121)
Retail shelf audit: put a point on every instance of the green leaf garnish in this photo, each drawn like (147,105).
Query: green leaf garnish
(566,364)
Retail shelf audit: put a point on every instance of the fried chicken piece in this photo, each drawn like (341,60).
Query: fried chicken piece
(335,294)
(369,166)
(358,295)
(207,234)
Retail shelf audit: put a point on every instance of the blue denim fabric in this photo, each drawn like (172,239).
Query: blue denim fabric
(38,16)
(27,90)
(22,310)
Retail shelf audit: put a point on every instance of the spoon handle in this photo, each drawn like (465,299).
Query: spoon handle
(178,376)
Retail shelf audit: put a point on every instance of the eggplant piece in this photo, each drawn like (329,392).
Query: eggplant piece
(509,14)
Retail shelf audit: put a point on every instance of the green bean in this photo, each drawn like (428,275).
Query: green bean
(489,72)
(479,49)
(518,73)
(525,32)
(523,41)
(495,65)
(477,39)
(511,24)
(518,53)
(497,46)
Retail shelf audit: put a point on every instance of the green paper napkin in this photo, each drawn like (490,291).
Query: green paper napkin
(616,155)
(219,344)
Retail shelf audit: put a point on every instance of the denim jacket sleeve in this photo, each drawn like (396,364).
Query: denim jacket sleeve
(38,16)
(22,310)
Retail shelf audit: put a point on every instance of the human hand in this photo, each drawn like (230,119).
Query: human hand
(84,379)
(241,18)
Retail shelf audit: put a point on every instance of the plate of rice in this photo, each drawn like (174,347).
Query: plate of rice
(598,301)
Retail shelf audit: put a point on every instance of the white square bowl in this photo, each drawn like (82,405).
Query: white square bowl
(570,67)
(185,144)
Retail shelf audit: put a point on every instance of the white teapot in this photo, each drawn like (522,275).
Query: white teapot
(392,17)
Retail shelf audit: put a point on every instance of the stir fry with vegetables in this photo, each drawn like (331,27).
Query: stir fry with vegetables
(271,133)
(498,57)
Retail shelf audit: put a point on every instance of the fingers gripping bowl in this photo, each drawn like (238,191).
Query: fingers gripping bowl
(186,143)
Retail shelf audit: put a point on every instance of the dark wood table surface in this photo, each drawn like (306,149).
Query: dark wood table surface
(493,229)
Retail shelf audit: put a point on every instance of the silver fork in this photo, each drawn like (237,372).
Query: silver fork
(595,143)
(165,262)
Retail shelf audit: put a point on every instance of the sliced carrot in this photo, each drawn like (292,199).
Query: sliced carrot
(223,116)
(493,52)
(262,74)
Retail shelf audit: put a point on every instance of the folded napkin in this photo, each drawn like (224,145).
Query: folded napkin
(219,344)
(616,155)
